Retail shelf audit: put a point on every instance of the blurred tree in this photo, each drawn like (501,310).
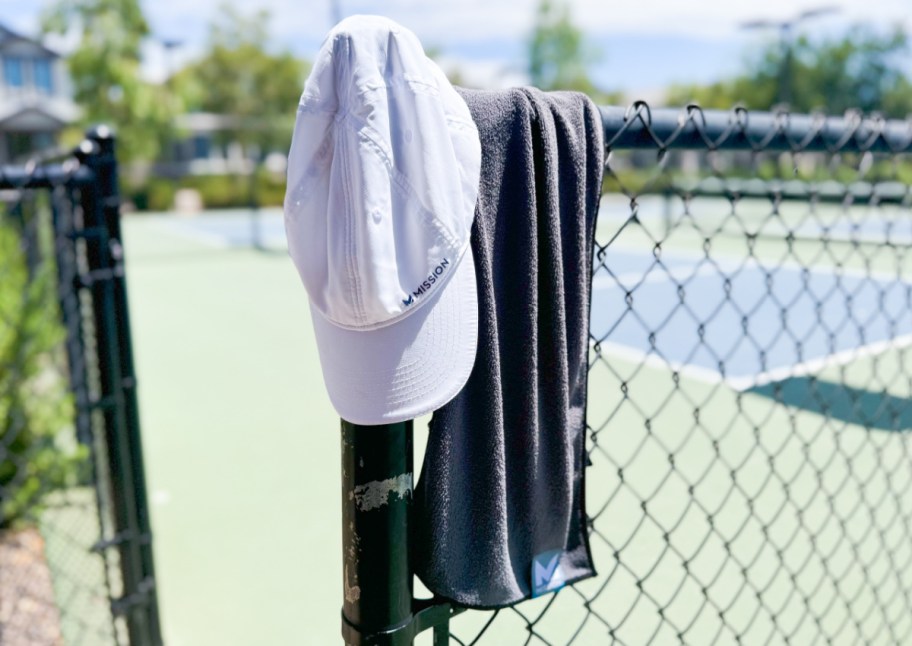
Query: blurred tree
(239,77)
(862,69)
(38,452)
(105,72)
(559,57)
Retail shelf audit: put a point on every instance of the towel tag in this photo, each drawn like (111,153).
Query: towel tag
(546,573)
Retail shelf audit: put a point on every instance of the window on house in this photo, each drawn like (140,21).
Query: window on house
(12,71)
(42,74)
(202,147)
(42,141)
(18,145)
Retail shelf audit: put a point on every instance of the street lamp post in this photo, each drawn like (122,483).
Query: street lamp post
(170,46)
(786,35)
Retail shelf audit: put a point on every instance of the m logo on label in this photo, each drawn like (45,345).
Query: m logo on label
(546,573)
(408,301)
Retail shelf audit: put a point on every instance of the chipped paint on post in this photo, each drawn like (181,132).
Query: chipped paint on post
(377,493)
(352,592)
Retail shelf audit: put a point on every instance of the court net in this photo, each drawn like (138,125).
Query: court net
(750,375)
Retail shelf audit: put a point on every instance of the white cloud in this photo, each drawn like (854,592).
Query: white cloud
(484,73)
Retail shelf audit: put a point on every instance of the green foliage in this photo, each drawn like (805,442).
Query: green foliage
(862,70)
(758,94)
(36,410)
(559,56)
(105,72)
(220,191)
(216,191)
(239,76)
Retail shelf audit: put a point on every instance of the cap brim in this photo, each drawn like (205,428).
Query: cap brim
(409,368)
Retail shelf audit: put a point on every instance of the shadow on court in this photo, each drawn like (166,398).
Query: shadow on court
(870,409)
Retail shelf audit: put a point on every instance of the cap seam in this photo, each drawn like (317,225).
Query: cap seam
(402,80)
(354,282)
(307,182)
(402,182)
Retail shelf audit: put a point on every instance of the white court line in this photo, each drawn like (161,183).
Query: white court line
(653,360)
(741,384)
(203,237)
(815,365)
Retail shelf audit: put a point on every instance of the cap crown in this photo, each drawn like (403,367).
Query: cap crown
(382,176)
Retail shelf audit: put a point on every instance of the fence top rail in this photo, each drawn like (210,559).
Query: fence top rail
(640,127)
(43,176)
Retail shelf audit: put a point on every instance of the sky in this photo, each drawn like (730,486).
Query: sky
(642,46)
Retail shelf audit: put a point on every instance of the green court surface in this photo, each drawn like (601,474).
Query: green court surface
(241,444)
(70,527)
(737,515)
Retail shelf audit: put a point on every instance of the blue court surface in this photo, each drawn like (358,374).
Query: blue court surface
(743,323)
(234,228)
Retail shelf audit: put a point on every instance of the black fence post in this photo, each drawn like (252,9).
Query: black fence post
(376,503)
(117,396)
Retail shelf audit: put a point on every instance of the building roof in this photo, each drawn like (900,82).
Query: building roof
(38,113)
(7,35)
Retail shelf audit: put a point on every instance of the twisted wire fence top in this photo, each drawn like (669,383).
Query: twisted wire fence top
(749,384)
(639,126)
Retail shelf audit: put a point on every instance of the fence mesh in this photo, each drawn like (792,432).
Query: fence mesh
(749,384)
(56,585)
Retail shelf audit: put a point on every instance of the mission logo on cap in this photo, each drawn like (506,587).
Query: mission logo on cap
(383,177)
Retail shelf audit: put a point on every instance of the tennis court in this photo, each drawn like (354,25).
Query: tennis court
(728,513)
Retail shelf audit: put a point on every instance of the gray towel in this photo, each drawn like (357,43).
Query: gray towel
(499,507)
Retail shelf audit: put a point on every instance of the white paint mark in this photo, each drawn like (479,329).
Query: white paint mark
(161,497)
(352,592)
(376,494)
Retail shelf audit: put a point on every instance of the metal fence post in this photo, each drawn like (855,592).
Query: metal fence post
(376,503)
(118,401)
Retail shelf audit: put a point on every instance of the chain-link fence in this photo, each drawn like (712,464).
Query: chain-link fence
(749,384)
(75,553)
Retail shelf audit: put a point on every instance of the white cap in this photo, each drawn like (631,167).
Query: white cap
(382,182)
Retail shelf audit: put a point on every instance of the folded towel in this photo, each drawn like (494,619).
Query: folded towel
(500,503)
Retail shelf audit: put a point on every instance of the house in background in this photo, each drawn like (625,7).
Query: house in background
(204,148)
(35,97)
